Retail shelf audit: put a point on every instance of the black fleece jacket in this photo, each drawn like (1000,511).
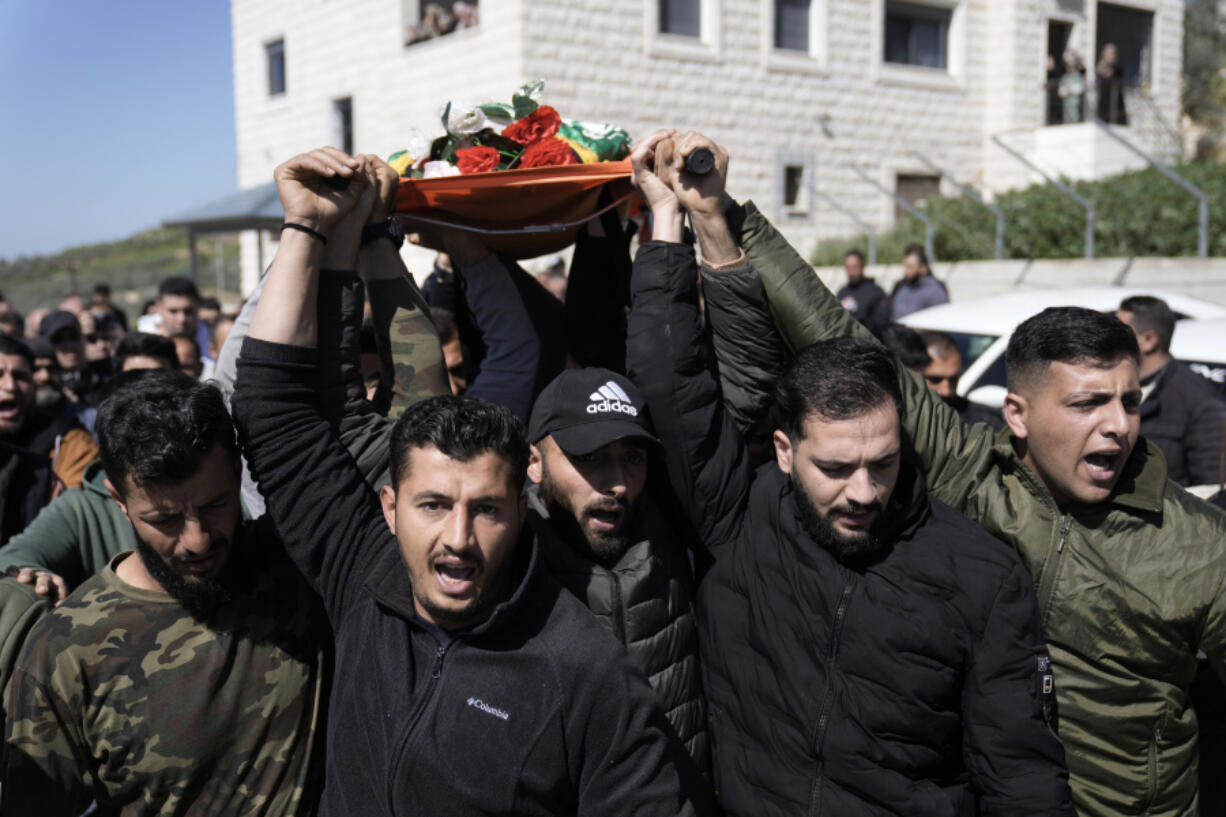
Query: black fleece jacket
(914,686)
(537,711)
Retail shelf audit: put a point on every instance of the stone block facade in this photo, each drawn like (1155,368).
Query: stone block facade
(835,114)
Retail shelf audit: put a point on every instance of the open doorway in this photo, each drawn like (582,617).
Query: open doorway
(1058,35)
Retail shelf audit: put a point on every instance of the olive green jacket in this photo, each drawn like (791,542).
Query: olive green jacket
(1129,589)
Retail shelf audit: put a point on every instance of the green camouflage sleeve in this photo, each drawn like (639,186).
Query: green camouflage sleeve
(42,775)
(408,342)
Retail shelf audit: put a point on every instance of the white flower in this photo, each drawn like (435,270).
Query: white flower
(419,146)
(433,170)
(465,118)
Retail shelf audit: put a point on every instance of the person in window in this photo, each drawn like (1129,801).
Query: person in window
(1110,84)
(1072,88)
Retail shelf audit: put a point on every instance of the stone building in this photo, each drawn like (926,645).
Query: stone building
(823,103)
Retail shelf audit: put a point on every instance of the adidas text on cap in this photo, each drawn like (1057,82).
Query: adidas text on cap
(586,409)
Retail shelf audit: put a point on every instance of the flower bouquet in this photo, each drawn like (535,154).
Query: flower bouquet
(516,174)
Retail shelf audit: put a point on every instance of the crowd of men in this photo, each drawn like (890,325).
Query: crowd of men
(693,536)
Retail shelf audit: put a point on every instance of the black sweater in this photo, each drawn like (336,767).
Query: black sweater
(537,711)
(911,687)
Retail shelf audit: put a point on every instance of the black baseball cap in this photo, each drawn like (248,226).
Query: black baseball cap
(586,409)
(58,321)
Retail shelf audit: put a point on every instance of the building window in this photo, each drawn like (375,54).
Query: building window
(681,17)
(916,189)
(917,35)
(793,181)
(342,123)
(792,25)
(431,19)
(275,52)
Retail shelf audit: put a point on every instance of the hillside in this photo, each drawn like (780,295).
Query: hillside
(132,267)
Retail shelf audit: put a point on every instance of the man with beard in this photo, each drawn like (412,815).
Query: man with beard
(185,677)
(606,534)
(867,650)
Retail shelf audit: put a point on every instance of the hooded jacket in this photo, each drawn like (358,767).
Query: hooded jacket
(1129,589)
(646,601)
(912,686)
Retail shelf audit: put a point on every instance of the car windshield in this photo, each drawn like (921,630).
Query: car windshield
(971,346)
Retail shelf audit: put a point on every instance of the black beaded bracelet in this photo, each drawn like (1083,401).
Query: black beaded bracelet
(302,228)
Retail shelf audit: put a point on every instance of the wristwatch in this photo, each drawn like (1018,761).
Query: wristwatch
(391,229)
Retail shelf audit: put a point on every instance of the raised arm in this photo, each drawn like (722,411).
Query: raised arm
(327,516)
(949,451)
(706,458)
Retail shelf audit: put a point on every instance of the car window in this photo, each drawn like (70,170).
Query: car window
(971,346)
(994,375)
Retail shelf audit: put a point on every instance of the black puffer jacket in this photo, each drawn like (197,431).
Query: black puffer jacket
(647,602)
(914,687)
(1184,418)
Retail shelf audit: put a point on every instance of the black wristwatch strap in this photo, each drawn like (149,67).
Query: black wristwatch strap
(391,229)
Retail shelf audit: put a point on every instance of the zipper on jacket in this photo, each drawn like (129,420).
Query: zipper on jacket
(1153,767)
(406,737)
(1051,567)
(619,614)
(823,718)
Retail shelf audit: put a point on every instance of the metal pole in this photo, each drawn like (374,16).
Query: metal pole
(872,235)
(1202,214)
(970,191)
(904,204)
(1063,188)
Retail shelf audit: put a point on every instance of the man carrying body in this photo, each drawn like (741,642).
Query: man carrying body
(469,683)
(1129,568)
(867,650)
(186,677)
(606,533)
(1180,412)
(861,296)
(942,373)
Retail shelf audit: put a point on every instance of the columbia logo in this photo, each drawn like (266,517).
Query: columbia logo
(477,703)
(611,397)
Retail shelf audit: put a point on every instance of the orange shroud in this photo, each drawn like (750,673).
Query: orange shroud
(523,213)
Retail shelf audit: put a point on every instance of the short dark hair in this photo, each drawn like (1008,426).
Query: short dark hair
(143,344)
(160,428)
(103,289)
(10,345)
(462,428)
(210,303)
(906,345)
(15,321)
(918,251)
(178,285)
(853,253)
(837,380)
(941,342)
(1150,314)
(1066,334)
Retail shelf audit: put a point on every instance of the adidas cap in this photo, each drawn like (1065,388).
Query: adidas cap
(585,409)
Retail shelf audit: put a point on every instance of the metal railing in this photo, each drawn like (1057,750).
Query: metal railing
(1085,203)
(904,204)
(969,191)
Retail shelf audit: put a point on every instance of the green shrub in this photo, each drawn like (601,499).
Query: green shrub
(1137,213)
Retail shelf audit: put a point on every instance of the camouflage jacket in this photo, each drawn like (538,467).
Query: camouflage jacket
(122,698)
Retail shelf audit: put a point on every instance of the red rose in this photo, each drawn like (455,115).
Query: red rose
(548,153)
(481,159)
(540,124)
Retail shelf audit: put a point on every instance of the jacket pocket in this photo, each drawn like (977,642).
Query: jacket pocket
(1152,769)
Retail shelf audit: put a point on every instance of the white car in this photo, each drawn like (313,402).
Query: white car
(982,329)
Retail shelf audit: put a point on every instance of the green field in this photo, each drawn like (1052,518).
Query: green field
(132,267)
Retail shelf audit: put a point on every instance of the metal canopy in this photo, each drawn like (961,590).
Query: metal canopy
(257,208)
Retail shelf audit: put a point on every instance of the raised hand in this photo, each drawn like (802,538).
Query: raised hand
(699,195)
(652,160)
(308,190)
